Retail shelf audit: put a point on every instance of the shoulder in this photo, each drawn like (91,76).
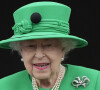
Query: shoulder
(17,75)
(13,81)
(80,71)
(81,68)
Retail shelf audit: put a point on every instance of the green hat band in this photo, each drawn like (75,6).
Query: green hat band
(44,26)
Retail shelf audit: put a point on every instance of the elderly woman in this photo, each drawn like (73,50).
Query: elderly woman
(41,37)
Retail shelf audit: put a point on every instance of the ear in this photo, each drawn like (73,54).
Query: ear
(63,51)
(21,52)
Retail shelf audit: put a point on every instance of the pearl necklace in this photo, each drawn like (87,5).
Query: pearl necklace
(58,81)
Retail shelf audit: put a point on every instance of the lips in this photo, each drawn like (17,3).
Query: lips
(41,66)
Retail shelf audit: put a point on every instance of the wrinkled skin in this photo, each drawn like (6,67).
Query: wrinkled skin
(42,51)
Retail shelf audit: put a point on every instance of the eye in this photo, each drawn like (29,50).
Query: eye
(47,45)
(31,45)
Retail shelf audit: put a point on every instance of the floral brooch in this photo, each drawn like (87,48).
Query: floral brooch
(22,28)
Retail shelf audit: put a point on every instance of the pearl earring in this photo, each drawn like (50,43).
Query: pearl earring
(62,59)
(22,59)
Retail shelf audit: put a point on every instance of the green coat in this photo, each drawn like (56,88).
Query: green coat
(22,80)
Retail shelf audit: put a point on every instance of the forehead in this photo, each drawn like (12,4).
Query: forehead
(41,41)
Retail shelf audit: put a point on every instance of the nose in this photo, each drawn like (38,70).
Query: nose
(39,53)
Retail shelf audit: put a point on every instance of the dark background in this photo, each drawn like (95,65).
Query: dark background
(84,23)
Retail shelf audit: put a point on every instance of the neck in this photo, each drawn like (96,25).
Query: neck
(49,83)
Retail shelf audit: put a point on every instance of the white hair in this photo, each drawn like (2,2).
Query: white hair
(68,44)
(15,46)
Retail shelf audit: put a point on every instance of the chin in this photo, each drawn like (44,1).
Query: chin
(42,76)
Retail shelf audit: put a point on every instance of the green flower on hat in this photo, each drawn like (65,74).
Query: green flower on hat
(22,28)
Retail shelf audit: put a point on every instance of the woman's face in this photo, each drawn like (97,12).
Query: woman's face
(42,57)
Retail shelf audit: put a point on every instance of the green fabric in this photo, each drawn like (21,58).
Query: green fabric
(98,83)
(54,23)
(22,80)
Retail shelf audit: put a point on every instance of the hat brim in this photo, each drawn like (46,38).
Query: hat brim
(42,35)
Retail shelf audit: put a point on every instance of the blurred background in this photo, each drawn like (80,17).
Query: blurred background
(84,23)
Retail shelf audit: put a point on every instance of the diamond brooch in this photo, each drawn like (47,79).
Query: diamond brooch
(84,81)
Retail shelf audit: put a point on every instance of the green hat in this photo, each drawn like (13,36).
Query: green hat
(41,20)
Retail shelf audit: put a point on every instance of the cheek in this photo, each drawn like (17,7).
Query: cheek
(28,67)
(56,55)
(55,59)
(28,57)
